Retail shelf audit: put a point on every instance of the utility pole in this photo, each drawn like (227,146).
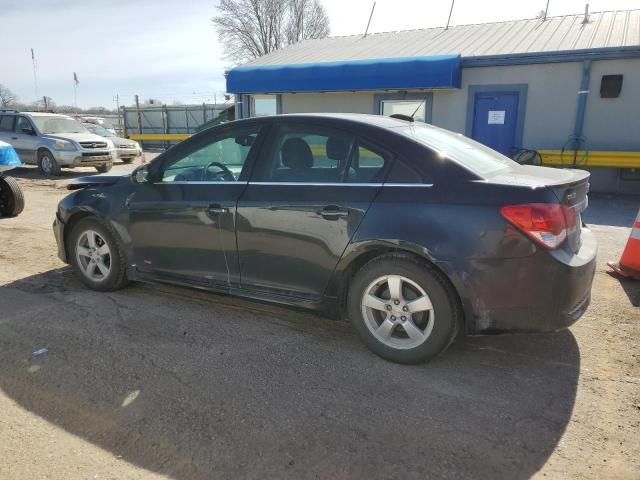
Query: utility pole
(44,101)
(35,78)
(117,99)
(138,114)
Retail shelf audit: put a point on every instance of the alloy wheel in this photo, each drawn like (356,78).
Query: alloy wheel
(93,255)
(397,311)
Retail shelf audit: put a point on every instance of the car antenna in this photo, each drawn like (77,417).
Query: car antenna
(408,118)
(417,108)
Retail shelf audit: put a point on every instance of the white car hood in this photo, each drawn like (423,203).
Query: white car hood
(77,137)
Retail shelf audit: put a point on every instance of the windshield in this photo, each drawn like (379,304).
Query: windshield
(98,130)
(472,155)
(48,125)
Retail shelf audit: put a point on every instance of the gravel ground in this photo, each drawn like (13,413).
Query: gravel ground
(157,381)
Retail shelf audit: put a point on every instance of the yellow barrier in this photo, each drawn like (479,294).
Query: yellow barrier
(592,159)
(160,137)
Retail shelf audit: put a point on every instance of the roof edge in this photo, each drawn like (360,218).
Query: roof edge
(559,56)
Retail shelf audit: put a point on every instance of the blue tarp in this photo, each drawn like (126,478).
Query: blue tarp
(8,157)
(376,74)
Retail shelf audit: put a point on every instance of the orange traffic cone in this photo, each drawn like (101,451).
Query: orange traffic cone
(629,265)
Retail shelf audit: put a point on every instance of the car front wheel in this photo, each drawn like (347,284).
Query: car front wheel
(47,164)
(96,256)
(104,168)
(403,308)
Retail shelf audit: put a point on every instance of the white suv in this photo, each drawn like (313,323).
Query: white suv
(54,141)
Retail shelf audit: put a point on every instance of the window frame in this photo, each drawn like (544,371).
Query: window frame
(268,151)
(185,149)
(28,120)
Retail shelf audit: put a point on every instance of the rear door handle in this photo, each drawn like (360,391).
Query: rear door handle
(216,209)
(333,211)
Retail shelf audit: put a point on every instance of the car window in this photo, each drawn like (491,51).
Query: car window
(51,125)
(222,160)
(307,155)
(21,123)
(470,154)
(366,166)
(6,123)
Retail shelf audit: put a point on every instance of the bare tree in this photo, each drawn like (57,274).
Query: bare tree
(7,97)
(251,28)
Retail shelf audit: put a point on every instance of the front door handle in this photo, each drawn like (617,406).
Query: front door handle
(14,138)
(333,211)
(216,209)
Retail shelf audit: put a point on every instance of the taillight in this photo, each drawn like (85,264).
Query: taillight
(546,223)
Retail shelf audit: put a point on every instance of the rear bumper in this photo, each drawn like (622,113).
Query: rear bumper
(544,292)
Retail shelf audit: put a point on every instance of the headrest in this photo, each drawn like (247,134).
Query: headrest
(296,154)
(338,148)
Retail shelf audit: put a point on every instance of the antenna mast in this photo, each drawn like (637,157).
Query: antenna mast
(369,22)
(450,12)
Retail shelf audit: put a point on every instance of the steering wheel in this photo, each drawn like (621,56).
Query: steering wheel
(224,173)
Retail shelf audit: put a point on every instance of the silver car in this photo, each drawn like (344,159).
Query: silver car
(127,150)
(54,141)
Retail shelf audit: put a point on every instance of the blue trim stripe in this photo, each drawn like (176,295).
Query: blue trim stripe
(441,71)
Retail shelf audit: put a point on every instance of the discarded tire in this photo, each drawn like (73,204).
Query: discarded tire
(11,197)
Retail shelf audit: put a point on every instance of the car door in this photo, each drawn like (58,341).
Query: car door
(6,128)
(303,204)
(182,223)
(24,139)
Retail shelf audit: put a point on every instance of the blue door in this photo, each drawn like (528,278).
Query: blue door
(495,120)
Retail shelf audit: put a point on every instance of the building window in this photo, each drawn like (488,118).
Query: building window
(610,86)
(415,108)
(264,105)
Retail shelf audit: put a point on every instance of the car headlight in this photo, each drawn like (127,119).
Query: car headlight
(65,146)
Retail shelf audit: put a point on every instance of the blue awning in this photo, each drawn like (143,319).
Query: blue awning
(375,74)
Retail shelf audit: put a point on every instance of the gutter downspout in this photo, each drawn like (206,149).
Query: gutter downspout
(582,104)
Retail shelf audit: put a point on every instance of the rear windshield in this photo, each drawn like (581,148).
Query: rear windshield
(472,155)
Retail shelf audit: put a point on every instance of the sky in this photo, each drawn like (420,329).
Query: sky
(169,50)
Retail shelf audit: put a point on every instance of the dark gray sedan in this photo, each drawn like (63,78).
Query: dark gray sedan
(413,232)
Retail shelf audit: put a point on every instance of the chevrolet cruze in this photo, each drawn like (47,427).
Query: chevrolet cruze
(414,233)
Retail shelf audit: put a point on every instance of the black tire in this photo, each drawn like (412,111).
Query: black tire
(11,197)
(127,160)
(447,313)
(117,277)
(47,164)
(104,168)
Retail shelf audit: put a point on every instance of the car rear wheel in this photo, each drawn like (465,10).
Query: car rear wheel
(47,164)
(96,256)
(403,309)
(104,168)
(11,197)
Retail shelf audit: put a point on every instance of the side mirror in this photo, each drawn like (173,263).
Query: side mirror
(141,174)
(28,131)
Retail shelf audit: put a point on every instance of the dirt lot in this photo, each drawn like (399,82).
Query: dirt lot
(156,381)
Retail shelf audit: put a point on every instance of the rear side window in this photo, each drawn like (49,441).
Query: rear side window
(307,155)
(403,172)
(320,155)
(366,165)
(472,155)
(6,123)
